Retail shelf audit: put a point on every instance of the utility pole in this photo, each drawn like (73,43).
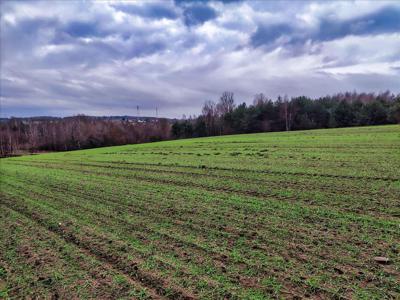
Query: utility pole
(156,112)
(137,109)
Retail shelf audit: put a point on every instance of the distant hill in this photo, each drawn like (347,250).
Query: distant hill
(112,118)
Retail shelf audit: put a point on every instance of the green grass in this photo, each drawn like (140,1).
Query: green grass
(260,216)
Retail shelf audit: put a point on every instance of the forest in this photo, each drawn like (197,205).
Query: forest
(18,136)
(283,114)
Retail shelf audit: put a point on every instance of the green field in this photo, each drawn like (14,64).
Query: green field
(258,216)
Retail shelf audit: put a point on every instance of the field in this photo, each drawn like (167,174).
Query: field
(260,216)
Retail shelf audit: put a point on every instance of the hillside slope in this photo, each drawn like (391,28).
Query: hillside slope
(290,214)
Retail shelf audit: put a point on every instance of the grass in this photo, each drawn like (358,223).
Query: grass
(260,216)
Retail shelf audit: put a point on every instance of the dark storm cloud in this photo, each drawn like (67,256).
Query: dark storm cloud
(69,57)
(24,36)
(10,88)
(180,2)
(385,20)
(84,29)
(268,34)
(196,13)
(151,10)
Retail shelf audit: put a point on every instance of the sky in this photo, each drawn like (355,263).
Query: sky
(61,58)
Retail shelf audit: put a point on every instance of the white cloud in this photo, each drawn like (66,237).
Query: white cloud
(113,61)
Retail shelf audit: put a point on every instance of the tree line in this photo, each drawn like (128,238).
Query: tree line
(217,118)
(284,114)
(78,132)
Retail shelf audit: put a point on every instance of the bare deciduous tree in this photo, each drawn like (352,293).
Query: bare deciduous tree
(226,103)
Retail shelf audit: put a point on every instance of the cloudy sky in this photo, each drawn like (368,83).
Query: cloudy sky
(106,58)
